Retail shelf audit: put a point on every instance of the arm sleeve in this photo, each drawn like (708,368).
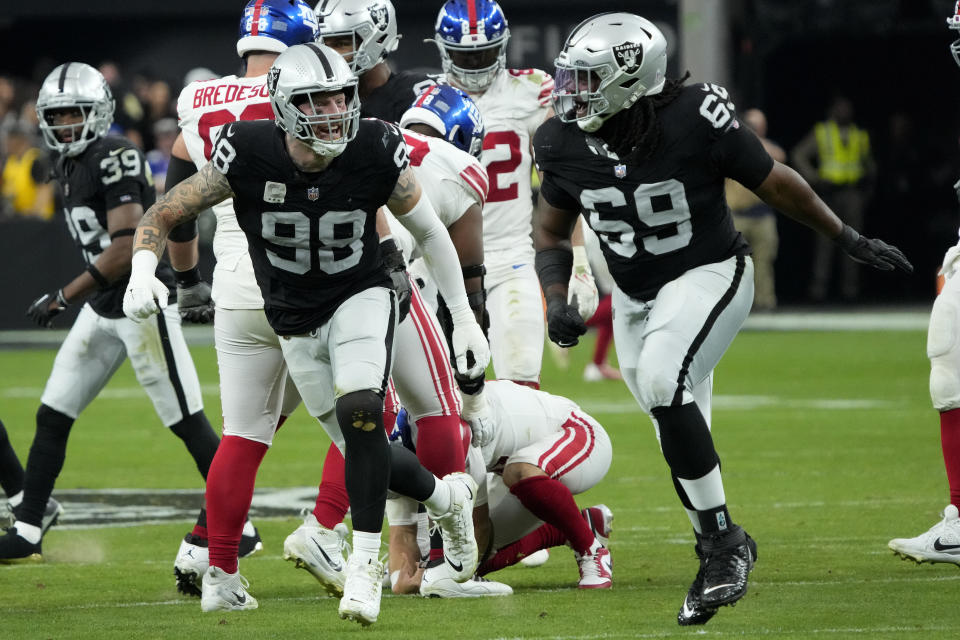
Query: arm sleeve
(179,170)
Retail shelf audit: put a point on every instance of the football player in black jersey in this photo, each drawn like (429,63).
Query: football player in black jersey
(364,32)
(106,184)
(645,159)
(306,192)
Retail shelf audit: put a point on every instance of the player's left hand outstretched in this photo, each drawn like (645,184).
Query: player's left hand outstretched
(470,349)
(45,308)
(145,294)
(873,252)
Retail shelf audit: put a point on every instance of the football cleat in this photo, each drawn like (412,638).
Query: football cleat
(600,519)
(249,543)
(15,549)
(192,562)
(438,582)
(536,559)
(728,560)
(320,551)
(596,567)
(692,611)
(940,544)
(51,514)
(456,526)
(225,592)
(362,590)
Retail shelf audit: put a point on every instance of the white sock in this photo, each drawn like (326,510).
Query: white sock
(441,499)
(28,532)
(706,492)
(15,499)
(694,519)
(366,545)
(248,529)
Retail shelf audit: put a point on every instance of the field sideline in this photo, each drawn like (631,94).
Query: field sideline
(829,446)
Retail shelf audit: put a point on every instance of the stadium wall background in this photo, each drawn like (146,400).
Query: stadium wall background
(788,58)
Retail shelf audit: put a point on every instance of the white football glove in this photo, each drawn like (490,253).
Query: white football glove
(145,294)
(582,291)
(468,336)
(476,412)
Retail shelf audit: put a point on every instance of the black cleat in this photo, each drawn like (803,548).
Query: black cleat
(727,562)
(249,545)
(692,611)
(51,514)
(15,549)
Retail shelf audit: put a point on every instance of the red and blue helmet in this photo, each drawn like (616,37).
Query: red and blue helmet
(472,37)
(452,113)
(274,25)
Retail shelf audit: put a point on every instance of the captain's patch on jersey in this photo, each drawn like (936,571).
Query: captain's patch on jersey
(274,192)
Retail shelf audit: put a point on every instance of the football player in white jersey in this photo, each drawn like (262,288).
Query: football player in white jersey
(254,390)
(941,543)
(472,38)
(540,450)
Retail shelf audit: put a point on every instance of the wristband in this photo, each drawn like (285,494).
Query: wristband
(553,266)
(62,299)
(187,278)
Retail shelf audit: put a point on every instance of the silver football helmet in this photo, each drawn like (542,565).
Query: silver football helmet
(371,24)
(79,87)
(300,81)
(608,63)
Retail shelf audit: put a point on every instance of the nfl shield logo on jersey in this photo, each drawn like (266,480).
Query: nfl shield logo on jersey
(313,193)
(620,170)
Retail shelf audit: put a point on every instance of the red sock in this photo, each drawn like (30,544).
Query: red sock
(332,499)
(603,321)
(440,444)
(527,383)
(544,537)
(200,529)
(552,502)
(950,443)
(230,482)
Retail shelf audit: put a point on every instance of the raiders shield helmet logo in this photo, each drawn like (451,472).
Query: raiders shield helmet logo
(379,16)
(272,77)
(629,55)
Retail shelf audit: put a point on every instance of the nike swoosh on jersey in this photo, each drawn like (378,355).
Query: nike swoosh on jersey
(336,566)
(939,546)
(719,586)
(114,152)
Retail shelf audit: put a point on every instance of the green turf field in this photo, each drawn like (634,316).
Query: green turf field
(829,447)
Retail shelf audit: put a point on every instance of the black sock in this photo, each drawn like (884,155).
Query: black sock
(686,441)
(408,477)
(11,471)
(200,438)
(366,457)
(715,520)
(47,453)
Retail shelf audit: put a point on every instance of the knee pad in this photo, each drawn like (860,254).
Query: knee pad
(654,389)
(944,353)
(359,411)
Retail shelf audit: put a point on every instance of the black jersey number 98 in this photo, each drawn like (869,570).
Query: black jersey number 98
(337,247)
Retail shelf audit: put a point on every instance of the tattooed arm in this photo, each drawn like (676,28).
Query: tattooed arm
(146,294)
(181,204)
(412,208)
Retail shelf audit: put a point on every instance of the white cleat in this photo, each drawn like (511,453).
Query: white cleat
(456,526)
(320,551)
(536,559)
(225,592)
(362,591)
(438,582)
(940,544)
(600,519)
(193,560)
(596,567)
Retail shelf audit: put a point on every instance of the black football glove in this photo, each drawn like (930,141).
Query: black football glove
(876,253)
(194,303)
(193,296)
(47,307)
(564,324)
(396,268)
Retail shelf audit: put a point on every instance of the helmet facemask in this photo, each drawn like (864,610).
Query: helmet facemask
(326,132)
(478,65)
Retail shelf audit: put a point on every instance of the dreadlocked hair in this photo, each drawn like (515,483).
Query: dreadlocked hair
(634,133)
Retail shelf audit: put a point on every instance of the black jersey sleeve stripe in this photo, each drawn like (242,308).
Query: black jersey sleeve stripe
(327,69)
(707,327)
(63,75)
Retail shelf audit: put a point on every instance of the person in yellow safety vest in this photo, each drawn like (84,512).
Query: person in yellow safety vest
(835,158)
(25,178)
(756,220)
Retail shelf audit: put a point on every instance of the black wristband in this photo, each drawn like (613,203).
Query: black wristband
(187,278)
(554,266)
(119,233)
(474,271)
(848,237)
(102,282)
